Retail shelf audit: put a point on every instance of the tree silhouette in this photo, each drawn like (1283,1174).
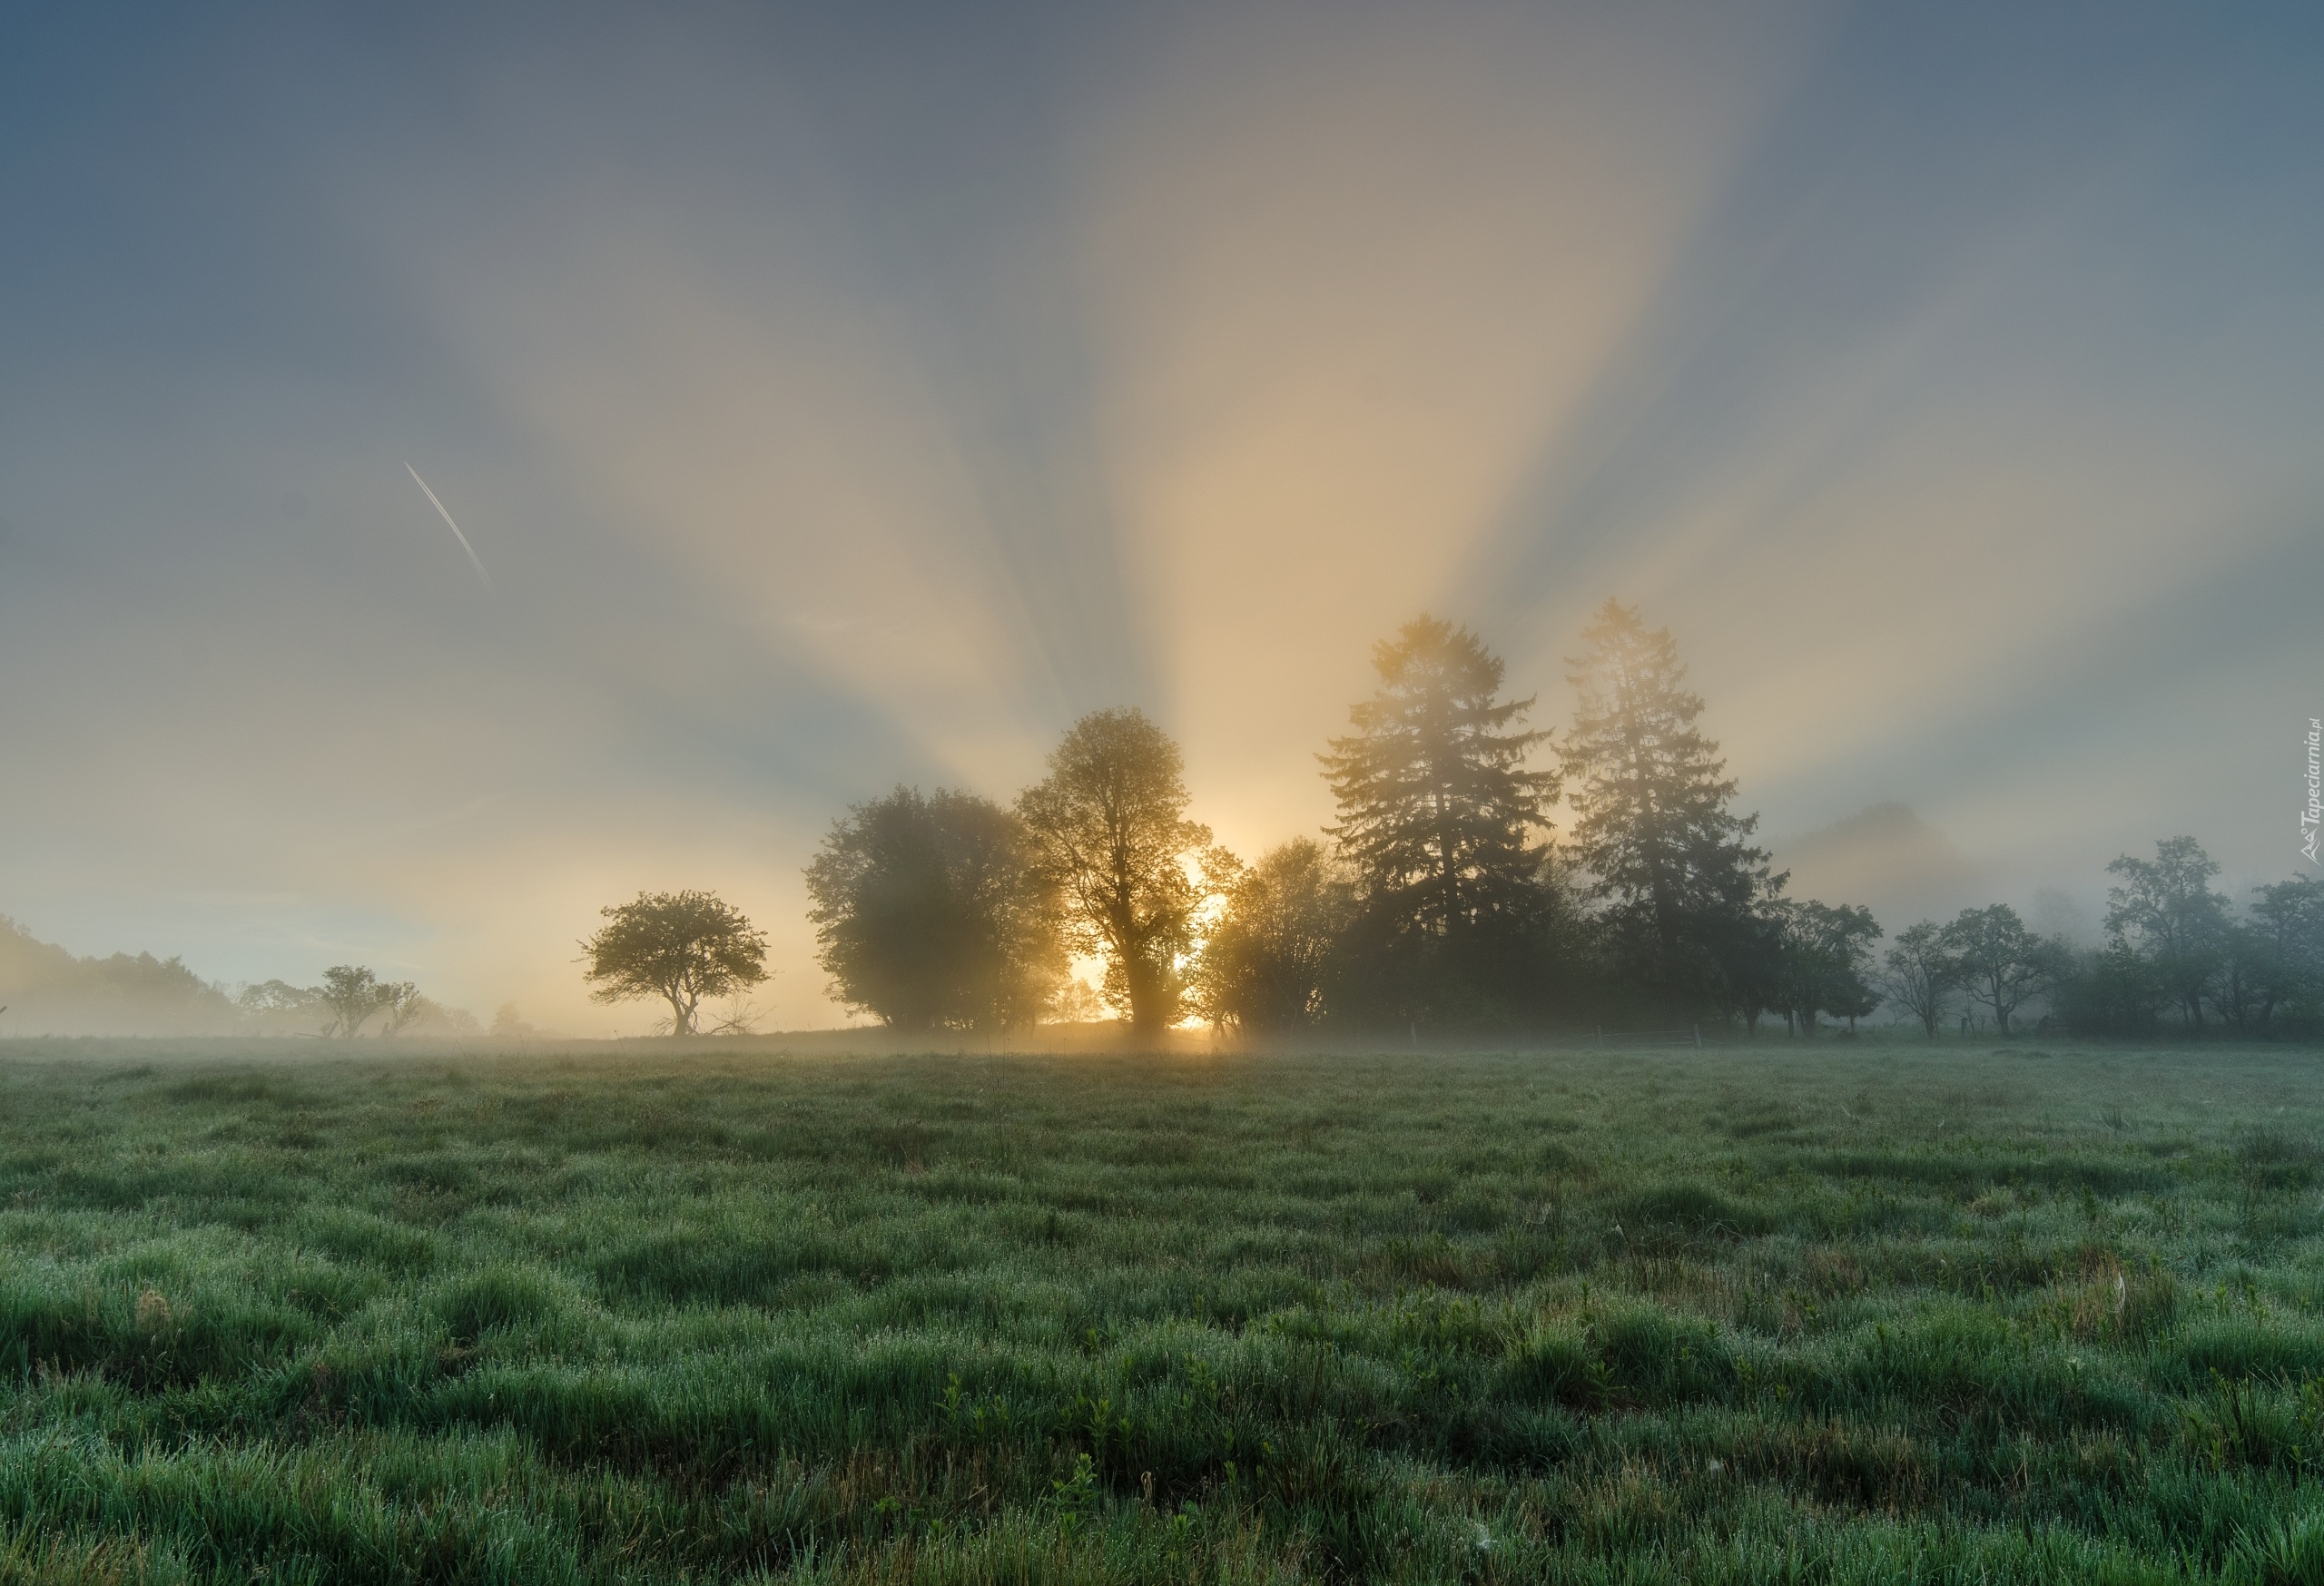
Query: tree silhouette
(679,946)
(353,994)
(2165,915)
(931,912)
(1265,963)
(1437,811)
(1110,832)
(1826,956)
(1671,865)
(1918,975)
(1998,962)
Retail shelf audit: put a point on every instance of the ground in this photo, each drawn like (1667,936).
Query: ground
(1854,1311)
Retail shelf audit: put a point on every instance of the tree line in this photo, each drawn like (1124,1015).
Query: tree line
(1440,896)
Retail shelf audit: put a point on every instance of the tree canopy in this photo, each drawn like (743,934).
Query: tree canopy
(1111,833)
(681,947)
(1670,863)
(933,911)
(1267,960)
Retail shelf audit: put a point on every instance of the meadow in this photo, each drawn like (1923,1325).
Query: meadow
(1848,1311)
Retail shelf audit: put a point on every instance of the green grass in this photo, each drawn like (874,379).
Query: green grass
(1856,1312)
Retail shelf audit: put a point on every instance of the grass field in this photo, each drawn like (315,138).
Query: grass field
(1855,1312)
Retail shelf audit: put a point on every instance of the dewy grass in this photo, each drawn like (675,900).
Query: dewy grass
(1855,1313)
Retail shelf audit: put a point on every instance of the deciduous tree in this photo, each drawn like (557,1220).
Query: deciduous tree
(1998,962)
(681,947)
(1918,975)
(933,912)
(1110,831)
(2165,915)
(1265,961)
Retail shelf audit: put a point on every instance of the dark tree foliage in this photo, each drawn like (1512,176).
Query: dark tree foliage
(2165,915)
(679,946)
(1266,962)
(1826,956)
(352,994)
(932,912)
(2107,991)
(1999,962)
(2277,957)
(1671,866)
(1918,976)
(1438,814)
(1110,832)
(1444,828)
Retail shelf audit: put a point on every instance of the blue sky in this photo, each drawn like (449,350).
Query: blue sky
(842,395)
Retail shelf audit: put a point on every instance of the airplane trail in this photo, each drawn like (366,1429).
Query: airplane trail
(473,561)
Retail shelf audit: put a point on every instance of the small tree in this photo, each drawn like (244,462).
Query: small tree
(1265,962)
(679,946)
(352,994)
(1917,975)
(1998,962)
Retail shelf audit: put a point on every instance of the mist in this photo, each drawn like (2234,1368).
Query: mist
(809,404)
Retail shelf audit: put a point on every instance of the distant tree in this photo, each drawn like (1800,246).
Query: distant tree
(1438,812)
(352,994)
(509,1024)
(2166,915)
(2271,972)
(1110,832)
(933,912)
(1670,862)
(681,947)
(1265,962)
(1918,976)
(1998,962)
(1826,959)
(273,1004)
(401,1005)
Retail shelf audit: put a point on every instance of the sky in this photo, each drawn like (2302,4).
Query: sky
(836,395)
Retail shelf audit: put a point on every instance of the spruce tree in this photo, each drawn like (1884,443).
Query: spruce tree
(1679,886)
(1440,818)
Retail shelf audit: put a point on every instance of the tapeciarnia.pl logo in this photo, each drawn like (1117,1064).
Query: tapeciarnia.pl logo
(2309,817)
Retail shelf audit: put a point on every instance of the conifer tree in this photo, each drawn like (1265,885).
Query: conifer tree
(1680,884)
(1442,825)
(1437,811)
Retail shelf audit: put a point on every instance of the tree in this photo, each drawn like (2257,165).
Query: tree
(933,912)
(1110,834)
(274,1004)
(1671,863)
(2271,968)
(1265,963)
(352,994)
(1998,962)
(2166,914)
(1918,975)
(679,946)
(1437,811)
(1826,956)
(401,1005)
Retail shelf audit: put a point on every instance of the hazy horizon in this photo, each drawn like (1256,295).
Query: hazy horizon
(834,400)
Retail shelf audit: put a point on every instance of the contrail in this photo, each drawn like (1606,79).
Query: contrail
(473,560)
